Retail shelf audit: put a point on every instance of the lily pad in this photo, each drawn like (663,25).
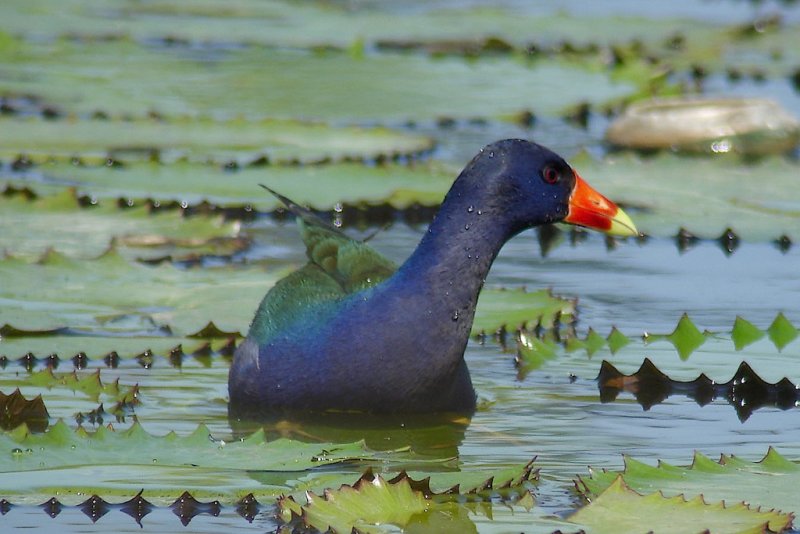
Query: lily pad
(30,227)
(201,140)
(621,509)
(57,461)
(681,353)
(374,502)
(767,484)
(309,25)
(82,77)
(758,201)
(77,295)
(320,187)
(366,506)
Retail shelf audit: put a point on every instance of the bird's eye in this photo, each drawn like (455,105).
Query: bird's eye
(550,175)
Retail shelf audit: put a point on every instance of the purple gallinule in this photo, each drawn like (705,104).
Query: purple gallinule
(350,331)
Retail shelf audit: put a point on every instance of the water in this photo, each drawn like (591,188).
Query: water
(553,413)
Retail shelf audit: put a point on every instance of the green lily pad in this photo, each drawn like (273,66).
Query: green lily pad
(309,25)
(199,140)
(320,187)
(514,309)
(82,77)
(686,338)
(768,483)
(704,196)
(621,509)
(366,506)
(31,227)
(194,461)
(374,502)
(77,295)
(745,333)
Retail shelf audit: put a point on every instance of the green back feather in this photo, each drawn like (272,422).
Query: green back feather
(337,266)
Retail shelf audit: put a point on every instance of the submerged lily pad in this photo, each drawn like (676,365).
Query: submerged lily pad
(89,349)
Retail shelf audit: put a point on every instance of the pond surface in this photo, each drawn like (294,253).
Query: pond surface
(553,413)
(380,104)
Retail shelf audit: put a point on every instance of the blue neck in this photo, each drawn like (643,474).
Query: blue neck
(453,259)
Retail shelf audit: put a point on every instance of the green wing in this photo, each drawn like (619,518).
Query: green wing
(337,266)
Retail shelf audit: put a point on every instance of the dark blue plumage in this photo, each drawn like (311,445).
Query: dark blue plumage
(349,333)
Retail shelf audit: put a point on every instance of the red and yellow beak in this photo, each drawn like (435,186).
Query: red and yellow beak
(589,208)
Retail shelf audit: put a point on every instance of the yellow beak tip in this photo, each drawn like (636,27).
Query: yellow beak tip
(622,226)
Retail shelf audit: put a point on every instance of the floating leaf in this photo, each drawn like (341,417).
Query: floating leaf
(373,502)
(745,333)
(57,221)
(237,141)
(533,352)
(141,298)
(667,193)
(768,484)
(320,187)
(616,340)
(186,299)
(361,506)
(275,84)
(686,337)
(781,331)
(514,309)
(621,509)
(213,467)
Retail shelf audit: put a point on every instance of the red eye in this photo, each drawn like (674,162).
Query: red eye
(550,175)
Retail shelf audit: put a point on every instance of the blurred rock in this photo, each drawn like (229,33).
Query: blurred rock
(751,127)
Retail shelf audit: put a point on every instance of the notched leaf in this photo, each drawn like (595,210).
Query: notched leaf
(769,483)
(212,331)
(15,410)
(186,507)
(745,391)
(621,509)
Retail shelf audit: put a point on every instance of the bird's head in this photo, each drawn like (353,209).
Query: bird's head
(532,185)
